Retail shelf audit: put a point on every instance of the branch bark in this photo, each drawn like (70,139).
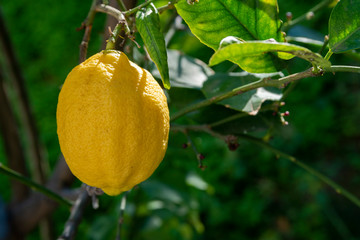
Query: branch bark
(24,106)
(13,149)
(26,215)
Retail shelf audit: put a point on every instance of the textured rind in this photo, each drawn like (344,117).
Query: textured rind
(113,122)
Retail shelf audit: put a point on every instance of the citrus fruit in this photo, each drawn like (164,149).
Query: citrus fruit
(112,122)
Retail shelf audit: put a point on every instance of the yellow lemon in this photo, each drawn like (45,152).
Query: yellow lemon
(113,122)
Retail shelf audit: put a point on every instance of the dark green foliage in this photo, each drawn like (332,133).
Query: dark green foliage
(244,194)
(344,26)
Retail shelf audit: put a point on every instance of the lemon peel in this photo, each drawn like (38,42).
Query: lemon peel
(113,122)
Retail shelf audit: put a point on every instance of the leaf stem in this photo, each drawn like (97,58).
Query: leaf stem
(11,173)
(305,16)
(328,55)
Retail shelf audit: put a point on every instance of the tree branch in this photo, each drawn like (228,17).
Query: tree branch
(137,8)
(111,11)
(74,220)
(12,142)
(24,106)
(26,215)
(339,189)
(279,83)
(15,175)
(87,24)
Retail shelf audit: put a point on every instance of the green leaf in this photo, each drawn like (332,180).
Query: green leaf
(185,71)
(148,25)
(344,26)
(213,20)
(249,102)
(250,55)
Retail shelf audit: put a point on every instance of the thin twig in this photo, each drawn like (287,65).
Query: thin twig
(26,215)
(305,16)
(111,11)
(74,220)
(122,25)
(305,40)
(160,9)
(279,83)
(34,185)
(199,156)
(137,8)
(34,148)
(245,88)
(12,144)
(87,24)
(121,5)
(121,215)
(324,45)
(352,54)
(170,5)
(339,189)
(343,68)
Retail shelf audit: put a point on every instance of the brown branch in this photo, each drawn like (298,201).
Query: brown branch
(74,220)
(87,24)
(24,106)
(12,142)
(34,147)
(26,215)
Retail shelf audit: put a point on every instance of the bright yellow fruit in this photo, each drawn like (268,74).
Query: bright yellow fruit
(113,122)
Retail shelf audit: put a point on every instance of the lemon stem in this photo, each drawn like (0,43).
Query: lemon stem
(121,26)
(112,40)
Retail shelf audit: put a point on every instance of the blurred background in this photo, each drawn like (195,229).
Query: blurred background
(244,194)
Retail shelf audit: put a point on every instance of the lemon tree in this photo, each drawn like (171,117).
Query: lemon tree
(207,110)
